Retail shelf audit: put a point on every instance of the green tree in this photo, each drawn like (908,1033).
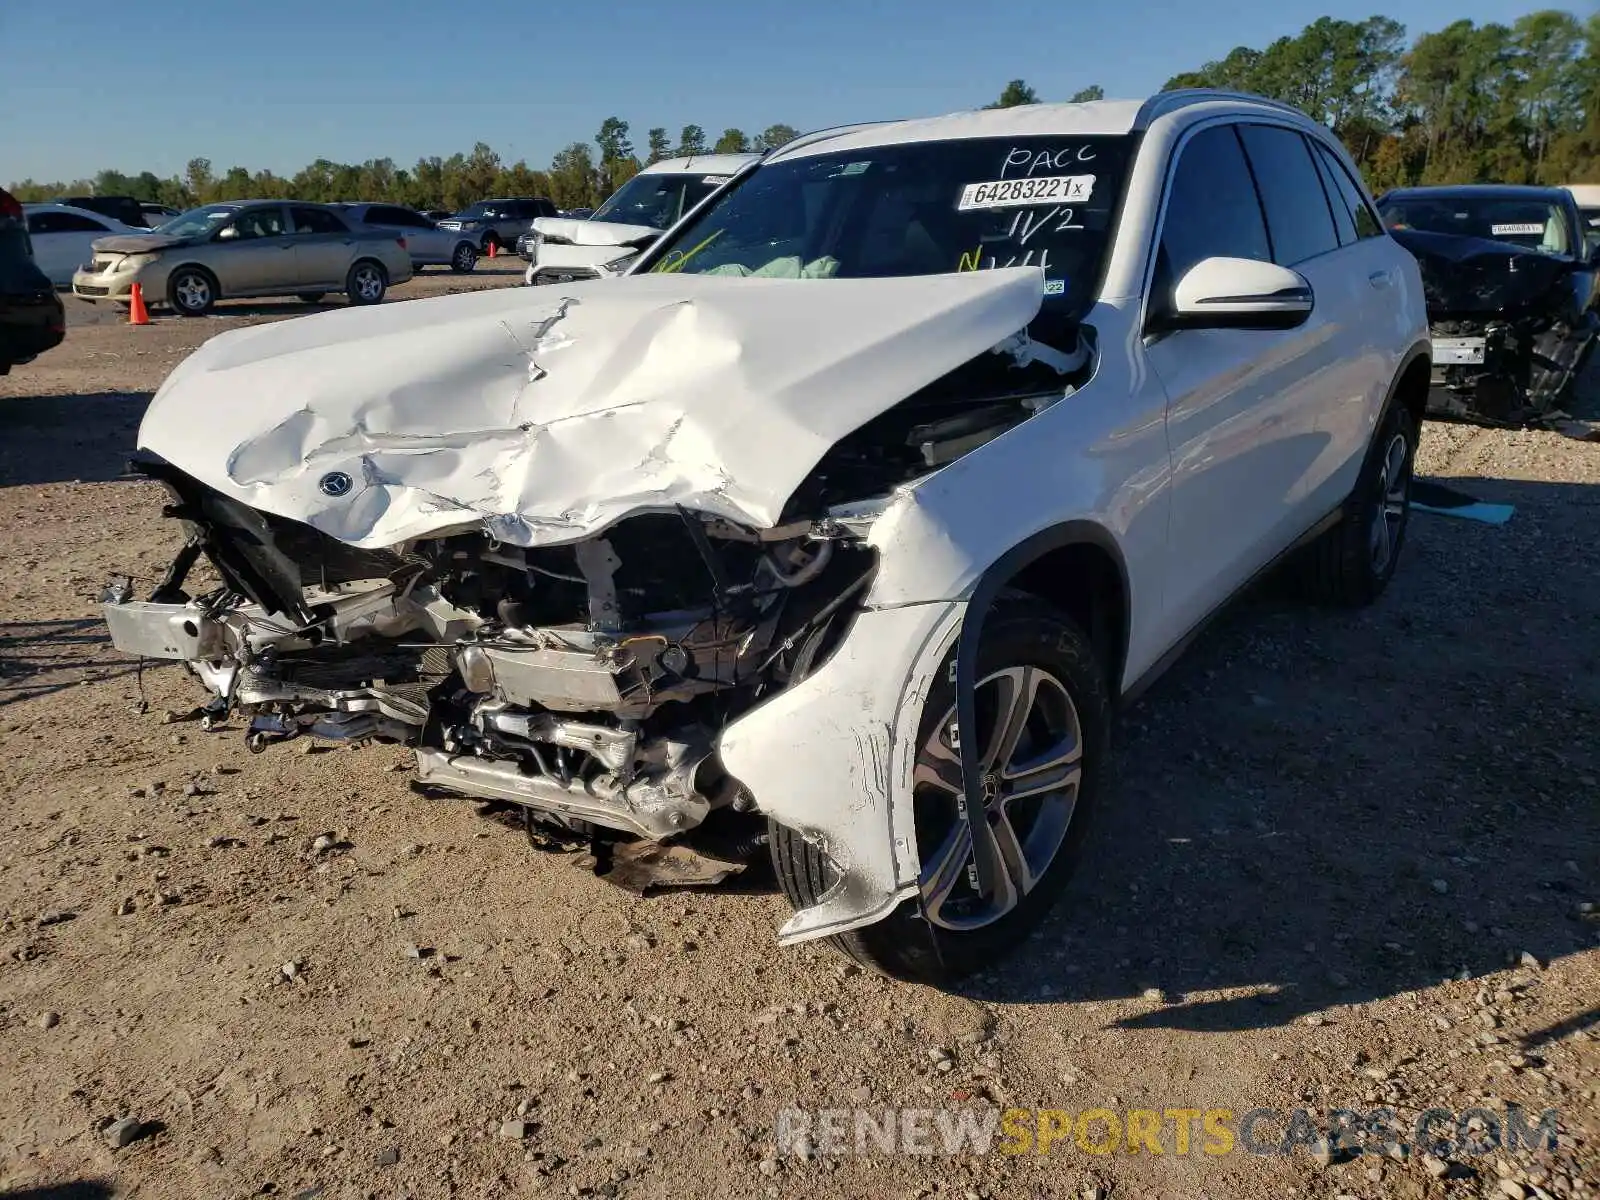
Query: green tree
(617,162)
(1083,95)
(573,178)
(774,136)
(732,141)
(691,140)
(1014,94)
(660,144)
(199,181)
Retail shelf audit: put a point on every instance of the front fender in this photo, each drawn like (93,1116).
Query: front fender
(831,758)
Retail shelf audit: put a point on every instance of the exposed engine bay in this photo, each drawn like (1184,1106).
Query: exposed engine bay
(1512,327)
(585,682)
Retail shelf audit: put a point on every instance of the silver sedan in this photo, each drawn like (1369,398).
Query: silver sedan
(427,244)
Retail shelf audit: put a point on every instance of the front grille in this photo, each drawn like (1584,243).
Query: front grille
(563,275)
(84,289)
(325,560)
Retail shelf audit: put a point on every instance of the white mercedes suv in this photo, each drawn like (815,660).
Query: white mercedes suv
(839,527)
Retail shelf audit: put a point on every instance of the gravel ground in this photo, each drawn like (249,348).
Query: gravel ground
(1351,861)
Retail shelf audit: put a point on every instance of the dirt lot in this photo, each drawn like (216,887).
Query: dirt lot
(1352,861)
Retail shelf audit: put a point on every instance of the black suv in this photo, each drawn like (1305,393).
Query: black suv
(500,221)
(31,317)
(119,208)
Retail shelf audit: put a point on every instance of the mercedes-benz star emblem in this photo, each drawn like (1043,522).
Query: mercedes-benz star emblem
(335,483)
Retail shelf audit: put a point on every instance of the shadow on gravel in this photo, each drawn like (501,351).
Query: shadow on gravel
(78,1189)
(1329,807)
(68,438)
(36,659)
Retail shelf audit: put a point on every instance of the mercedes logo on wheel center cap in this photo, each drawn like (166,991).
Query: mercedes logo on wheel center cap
(335,483)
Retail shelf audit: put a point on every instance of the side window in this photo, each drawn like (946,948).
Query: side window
(1355,204)
(55,222)
(316,220)
(405,218)
(1212,210)
(260,223)
(1298,218)
(1343,219)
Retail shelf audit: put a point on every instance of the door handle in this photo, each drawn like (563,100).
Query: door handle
(1380,279)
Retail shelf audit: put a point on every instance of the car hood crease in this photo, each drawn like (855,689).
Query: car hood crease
(544,415)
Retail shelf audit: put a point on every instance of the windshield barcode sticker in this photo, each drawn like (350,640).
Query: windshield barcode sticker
(1516,230)
(1018,193)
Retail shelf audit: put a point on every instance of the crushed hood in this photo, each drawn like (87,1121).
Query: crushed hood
(1469,276)
(593,233)
(137,243)
(545,414)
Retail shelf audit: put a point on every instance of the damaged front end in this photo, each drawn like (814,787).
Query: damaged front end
(585,682)
(641,516)
(1511,328)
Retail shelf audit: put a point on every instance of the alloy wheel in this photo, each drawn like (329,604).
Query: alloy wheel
(1389,515)
(1031,758)
(193,292)
(369,284)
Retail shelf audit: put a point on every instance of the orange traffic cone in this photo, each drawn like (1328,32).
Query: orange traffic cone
(494,247)
(137,313)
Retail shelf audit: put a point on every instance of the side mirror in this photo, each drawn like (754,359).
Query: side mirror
(1239,293)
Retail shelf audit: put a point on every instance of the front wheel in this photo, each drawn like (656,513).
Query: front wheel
(1044,719)
(366,283)
(1351,564)
(191,292)
(464,258)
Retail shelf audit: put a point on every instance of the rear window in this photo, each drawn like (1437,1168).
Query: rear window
(1531,224)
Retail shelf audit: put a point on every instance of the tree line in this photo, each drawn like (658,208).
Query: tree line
(1516,103)
(1468,103)
(1492,103)
(579,176)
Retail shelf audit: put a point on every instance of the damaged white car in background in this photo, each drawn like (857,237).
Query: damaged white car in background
(837,528)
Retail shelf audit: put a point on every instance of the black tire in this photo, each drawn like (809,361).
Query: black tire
(1344,567)
(463,258)
(366,282)
(1021,631)
(310,297)
(192,291)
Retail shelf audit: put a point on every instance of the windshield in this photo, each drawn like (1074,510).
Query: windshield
(474,211)
(197,222)
(657,199)
(1531,224)
(924,208)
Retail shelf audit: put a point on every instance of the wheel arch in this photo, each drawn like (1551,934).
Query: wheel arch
(192,265)
(1075,566)
(1410,386)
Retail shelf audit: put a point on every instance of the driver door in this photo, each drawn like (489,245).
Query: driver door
(252,251)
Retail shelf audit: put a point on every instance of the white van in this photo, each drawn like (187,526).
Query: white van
(565,250)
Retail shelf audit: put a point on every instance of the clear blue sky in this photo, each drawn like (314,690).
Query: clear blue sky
(146,84)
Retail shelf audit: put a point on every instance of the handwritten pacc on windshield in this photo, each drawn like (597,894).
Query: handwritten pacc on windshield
(1031,160)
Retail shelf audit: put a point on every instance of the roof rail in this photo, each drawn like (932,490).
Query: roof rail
(822,135)
(1162,103)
